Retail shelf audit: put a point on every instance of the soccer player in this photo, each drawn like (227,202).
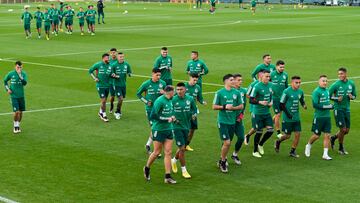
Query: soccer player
(38,15)
(51,11)
(120,70)
(61,9)
(113,55)
(164,63)
(279,81)
(152,89)
(113,59)
(163,117)
(102,79)
(55,20)
(87,19)
(91,13)
(196,66)
(266,65)
(341,92)
(100,7)
(227,101)
(322,120)
(185,110)
(81,16)
(261,97)
(289,104)
(69,19)
(47,23)
(239,126)
(241,4)
(198,4)
(26,17)
(253,6)
(18,79)
(212,6)
(194,90)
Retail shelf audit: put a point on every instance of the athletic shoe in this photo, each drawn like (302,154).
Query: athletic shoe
(186,175)
(332,142)
(223,167)
(307,150)
(18,129)
(236,159)
(146,173)
(256,154)
(92,34)
(61,30)
(102,117)
(148,150)
(188,148)
(56,34)
(174,166)
(293,154)
(343,152)
(247,140)
(82,33)
(117,116)
(279,135)
(169,180)
(261,149)
(52,32)
(103,22)
(26,37)
(47,38)
(39,37)
(327,158)
(277,146)
(15,130)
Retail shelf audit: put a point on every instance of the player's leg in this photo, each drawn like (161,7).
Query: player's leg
(157,150)
(239,132)
(112,97)
(150,140)
(99,17)
(167,160)
(103,16)
(268,123)
(225,132)
(326,145)
(193,127)
(294,145)
(248,135)
(287,129)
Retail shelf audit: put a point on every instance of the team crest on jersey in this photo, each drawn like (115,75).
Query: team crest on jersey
(161,85)
(299,96)
(350,87)
(198,65)
(169,60)
(187,102)
(177,103)
(284,76)
(196,90)
(234,96)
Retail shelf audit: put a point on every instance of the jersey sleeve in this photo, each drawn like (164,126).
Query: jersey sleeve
(140,91)
(283,98)
(6,79)
(353,91)
(332,92)
(205,68)
(200,96)
(93,68)
(254,73)
(157,63)
(216,100)
(25,79)
(193,107)
(129,71)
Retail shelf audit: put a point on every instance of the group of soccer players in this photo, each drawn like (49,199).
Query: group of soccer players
(53,19)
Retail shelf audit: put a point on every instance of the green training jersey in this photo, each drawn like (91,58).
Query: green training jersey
(223,97)
(292,98)
(91,14)
(197,67)
(279,83)
(194,91)
(249,89)
(16,84)
(113,60)
(26,17)
(262,92)
(165,65)
(47,19)
(342,88)
(253,3)
(120,69)
(38,15)
(51,11)
(152,91)
(162,110)
(243,92)
(262,66)
(321,102)
(184,109)
(69,15)
(81,16)
(55,14)
(103,74)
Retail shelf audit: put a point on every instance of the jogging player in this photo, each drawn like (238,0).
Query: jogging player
(164,63)
(196,66)
(26,18)
(266,65)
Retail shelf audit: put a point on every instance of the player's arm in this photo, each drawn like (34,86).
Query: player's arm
(187,69)
(216,103)
(248,91)
(113,72)
(353,95)
(302,101)
(316,102)
(193,108)
(283,108)
(129,71)
(23,78)
(91,72)
(205,70)
(332,93)
(6,80)
(139,93)
(286,82)
(254,73)
(200,97)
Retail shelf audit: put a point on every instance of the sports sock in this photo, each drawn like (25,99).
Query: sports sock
(234,154)
(167,175)
(325,152)
(256,140)
(183,169)
(341,146)
(174,160)
(149,141)
(278,131)
(292,150)
(266,136)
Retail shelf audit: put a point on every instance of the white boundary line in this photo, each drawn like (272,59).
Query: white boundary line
(6,200)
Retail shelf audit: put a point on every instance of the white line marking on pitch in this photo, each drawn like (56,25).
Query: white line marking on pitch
(6,200)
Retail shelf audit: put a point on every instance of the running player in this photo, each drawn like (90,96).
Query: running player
(61,9)
(69,19)
(196,66)
(47,23)
(279,81)
(322,120)
(87,19)
(102,80)
(185,110)
(152,89)
(266,65)
(289,103)
(81,16)
(341,92)
(26,17)
(120,70)
(38,15)
(261,97)
(195,91)
(212,6)
(227,101)
(18,79)
(163,117)
(55,20)
(100,7)
(253,6)
(113,59)
(164,63)
(91,13)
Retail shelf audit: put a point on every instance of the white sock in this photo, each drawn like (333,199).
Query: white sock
(308,144)
(183,169)
(104,114)
(174,160)
(326,152)
(235,154)
(15,124)
(149,141)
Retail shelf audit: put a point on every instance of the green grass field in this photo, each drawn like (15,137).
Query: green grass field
(70,155)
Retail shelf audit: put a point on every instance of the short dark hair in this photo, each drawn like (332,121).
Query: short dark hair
(105,55)
(155,70)
(88,6)
(120,53)
(168,88)
(266,71)
(342,69)
(19,63)
(80,7)
(295,77)
(237,75)
(227,76)
(180,84)
(280,62)
(194,75)
(195,52)
(266,55)
(38,7)
(113,49)
(164,48)
(322,76)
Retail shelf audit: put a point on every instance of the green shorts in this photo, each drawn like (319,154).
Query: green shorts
(168,81)
(276,106)
(213,4)
(321,124)
(47,27)
(91,22)
(38,25)
(68,23)
(18,104)
(163,135)
(118,91)
(181,136)
(55,22)
(342,118)
(103,92)
(226,131)
(239,129)
(289,127)
(81,24)
(261,121)
(194,124)
(27,26)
